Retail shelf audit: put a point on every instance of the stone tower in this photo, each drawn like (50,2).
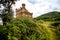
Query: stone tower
(23,12)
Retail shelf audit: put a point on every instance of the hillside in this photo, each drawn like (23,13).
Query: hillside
(50,16)
(27,29)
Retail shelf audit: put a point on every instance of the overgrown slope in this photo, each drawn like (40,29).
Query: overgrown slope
(26,29)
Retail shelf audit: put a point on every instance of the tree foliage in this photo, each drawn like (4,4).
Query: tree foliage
(7,10)
(27,29)
(50,16)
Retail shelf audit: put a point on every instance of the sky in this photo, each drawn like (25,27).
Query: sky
(39,7)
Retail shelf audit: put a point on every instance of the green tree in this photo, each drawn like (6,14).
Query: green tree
(7,9)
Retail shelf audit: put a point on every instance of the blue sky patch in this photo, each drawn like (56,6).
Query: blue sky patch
(32,1)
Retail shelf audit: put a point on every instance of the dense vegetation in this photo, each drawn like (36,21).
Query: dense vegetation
(50,16)
(52,19)
(40,28)
(27,29)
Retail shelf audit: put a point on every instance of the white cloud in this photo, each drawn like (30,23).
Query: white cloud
(39,7)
